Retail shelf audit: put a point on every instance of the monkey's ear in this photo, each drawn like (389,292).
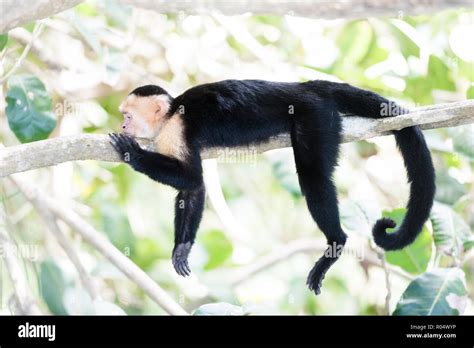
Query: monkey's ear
(162,105)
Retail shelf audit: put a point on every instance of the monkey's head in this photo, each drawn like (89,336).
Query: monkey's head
(144,109)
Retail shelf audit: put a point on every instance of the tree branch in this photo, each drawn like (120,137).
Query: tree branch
(17,13)
(50,152)
(305,8)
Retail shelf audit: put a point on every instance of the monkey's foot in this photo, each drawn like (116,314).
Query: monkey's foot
(180,258)
(317,274)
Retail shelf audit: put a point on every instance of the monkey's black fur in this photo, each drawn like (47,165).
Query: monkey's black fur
(233,112)
(148,90)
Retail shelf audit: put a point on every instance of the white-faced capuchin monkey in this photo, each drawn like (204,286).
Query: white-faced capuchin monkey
(242,112)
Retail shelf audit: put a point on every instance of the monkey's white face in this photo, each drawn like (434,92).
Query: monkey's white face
(143,115)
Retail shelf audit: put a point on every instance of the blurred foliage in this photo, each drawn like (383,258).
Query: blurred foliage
(52,286)
(218,247)
(29,110)
(3,40)
(415,257)
(219,309)
(104,49)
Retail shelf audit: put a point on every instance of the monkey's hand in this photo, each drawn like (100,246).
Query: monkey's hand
(127,147)
(180,258)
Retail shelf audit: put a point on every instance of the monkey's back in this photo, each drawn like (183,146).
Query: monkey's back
(239,112)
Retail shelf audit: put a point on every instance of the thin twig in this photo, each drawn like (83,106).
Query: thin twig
(50,221)
(26,303)
(216,197)
(284,253)
(388,285)
(107,249)
(36,33)
(385,191)
(276,256)
(26,38)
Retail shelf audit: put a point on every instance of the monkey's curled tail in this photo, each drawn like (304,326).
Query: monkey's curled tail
(417,158)
(421,175)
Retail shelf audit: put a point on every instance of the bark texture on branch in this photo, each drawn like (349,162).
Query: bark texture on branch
(305,8)
(16,13)
(19,12)
(50,152)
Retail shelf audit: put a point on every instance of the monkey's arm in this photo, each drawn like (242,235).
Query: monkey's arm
(184,177)
(161,168)
(188,213)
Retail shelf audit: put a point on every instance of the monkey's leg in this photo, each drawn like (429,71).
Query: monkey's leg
(316,156)
(188,213)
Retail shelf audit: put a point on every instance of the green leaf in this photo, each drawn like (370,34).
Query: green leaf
(147,251)
(283,167)
(220,308)
(448,189)
(121,182)
(439,74)
(115,224)
(115,62)
(218,248)
(366,149)
(77,301)
(440,291)
(118,14)
(354,41)
(3,41)
(415,257)
(419,89)
(375,54)
(28,109)
(88,35)
(107,308)
(359,216)
(86,9)
(465,69)
(452,160)
(52,287)
(470,93)
(463,140)
(402,31)
(451,234)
